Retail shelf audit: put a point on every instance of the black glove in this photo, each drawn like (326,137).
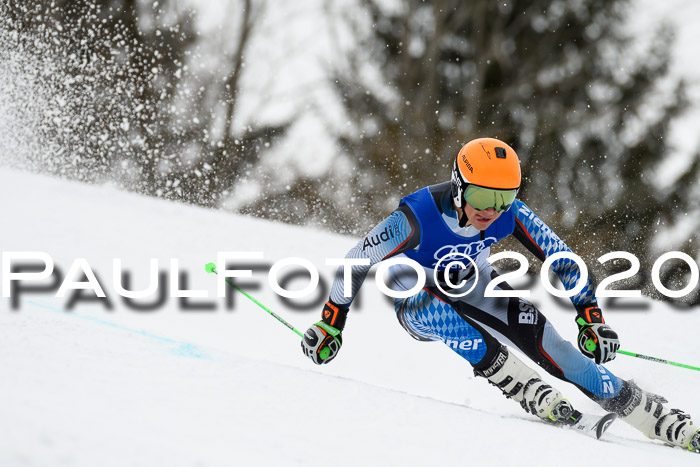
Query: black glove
(596,339)
(322,341)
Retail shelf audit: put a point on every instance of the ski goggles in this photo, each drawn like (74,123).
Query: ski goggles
(481,198)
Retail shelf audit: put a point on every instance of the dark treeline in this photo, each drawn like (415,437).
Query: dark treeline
(561,82)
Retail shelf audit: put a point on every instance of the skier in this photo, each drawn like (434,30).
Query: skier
(465,216)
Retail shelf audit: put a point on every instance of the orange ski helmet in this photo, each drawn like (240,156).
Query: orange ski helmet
(486,163)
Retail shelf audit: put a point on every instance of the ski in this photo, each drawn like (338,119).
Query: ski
(593,425)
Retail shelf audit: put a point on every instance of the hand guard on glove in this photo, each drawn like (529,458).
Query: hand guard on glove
(322,341)
(596,339)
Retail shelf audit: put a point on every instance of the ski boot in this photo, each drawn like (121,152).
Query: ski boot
(646,412)
(521,383)
(694,443)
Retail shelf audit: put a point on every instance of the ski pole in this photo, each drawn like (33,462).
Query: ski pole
(211,268)
(659,360)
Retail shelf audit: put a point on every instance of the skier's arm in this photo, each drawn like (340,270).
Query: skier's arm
(541,241)
(397,233)
(595,339)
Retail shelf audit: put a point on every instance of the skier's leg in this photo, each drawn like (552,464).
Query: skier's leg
(542,343)
(518,322)
(522,324)
(426,317)
(643,410)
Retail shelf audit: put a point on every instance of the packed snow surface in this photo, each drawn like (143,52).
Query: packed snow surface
(180,387)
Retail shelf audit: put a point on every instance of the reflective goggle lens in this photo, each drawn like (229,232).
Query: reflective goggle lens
(481,198)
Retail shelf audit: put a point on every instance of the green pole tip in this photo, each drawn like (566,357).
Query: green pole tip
(211,267)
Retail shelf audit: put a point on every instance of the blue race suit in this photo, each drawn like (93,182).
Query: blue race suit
(425,228)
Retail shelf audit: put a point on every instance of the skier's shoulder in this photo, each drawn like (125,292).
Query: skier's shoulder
(519,208)
(529,222)
(439,193)
(526,215)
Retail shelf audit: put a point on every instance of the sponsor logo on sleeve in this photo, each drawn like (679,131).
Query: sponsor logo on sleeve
(376,240)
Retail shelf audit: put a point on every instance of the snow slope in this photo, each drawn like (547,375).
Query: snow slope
(121,387)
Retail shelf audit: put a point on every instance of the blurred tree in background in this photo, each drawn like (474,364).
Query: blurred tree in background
(559,81)
(123,101)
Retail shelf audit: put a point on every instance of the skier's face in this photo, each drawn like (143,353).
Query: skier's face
(481,219)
